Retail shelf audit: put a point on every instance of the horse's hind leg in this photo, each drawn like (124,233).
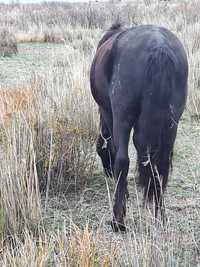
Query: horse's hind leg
(104,144)
(121,133)
(154,164)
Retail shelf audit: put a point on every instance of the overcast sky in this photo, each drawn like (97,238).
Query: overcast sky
(38,1)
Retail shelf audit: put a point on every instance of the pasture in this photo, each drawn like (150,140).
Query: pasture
(56,203)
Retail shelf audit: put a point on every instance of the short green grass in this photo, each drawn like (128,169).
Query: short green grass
(33,58)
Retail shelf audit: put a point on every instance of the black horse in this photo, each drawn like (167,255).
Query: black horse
(139,80)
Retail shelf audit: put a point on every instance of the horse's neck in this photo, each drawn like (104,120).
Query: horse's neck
(108,35)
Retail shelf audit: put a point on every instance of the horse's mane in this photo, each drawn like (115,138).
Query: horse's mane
(116,27)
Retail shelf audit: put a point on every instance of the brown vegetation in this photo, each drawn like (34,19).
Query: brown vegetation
(15,100)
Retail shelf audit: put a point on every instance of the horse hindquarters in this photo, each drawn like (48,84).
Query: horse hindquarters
(155,133)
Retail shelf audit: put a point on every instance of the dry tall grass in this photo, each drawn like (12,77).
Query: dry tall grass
(79,248)
(48,131)
(52,148)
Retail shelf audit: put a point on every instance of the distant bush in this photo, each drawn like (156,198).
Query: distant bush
(8,43)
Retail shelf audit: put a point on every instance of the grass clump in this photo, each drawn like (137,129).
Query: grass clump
(8,43)
(19,194)
(64,155)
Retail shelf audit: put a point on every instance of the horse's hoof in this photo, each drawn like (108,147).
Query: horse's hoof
(118,227)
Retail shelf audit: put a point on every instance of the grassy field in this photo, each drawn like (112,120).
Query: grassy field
(56,203)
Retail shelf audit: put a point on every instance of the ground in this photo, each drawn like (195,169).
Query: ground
(93,204)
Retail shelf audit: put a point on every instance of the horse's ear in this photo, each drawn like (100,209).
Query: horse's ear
(115,26)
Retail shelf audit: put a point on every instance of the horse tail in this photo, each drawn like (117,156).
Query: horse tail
(153,136)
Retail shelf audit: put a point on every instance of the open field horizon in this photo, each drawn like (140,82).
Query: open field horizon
(55,201)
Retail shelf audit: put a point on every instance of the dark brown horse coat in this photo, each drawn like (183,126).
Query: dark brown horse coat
(139,81)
